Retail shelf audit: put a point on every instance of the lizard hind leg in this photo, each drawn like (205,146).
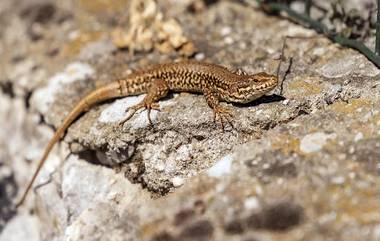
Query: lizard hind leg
(157,90)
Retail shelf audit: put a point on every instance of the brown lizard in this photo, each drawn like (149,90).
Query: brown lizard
(217,83)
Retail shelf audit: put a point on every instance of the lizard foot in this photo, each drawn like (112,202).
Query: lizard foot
(224,114)
(142,105)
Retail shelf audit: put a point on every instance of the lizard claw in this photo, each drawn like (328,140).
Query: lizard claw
(142,105)
(153,106)
(224,114)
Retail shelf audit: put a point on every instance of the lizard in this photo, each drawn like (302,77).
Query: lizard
(215,82)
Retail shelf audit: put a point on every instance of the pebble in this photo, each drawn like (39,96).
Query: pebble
(358,137)
(222,167)
(225,31)
(177,181)
(338,180)
(337,88)
(252,203)
(315,141)
(200,56)
(228,40)
(160,167)
(266,166)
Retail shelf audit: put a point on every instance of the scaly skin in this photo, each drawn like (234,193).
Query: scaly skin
(217,83)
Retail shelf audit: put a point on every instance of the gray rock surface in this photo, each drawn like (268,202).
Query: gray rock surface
(301,164)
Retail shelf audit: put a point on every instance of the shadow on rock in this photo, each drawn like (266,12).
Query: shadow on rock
(262,100)
(8,191)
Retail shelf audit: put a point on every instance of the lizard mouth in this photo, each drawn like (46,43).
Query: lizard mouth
(246,98)
(249,94)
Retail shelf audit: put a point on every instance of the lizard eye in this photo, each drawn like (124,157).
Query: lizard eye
(253,79)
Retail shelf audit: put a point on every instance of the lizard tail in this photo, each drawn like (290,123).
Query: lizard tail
(112,90)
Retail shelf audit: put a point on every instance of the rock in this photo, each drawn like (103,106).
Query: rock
(311,143)
(22,227)
(348,65)
(101,222)
(44,97)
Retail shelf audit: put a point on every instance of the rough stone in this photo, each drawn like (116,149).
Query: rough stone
(22,227)
(301,163)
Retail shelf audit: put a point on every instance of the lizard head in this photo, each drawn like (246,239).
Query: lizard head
(247,88)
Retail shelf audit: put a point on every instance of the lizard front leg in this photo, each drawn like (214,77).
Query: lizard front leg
(157,90)
(223,113)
